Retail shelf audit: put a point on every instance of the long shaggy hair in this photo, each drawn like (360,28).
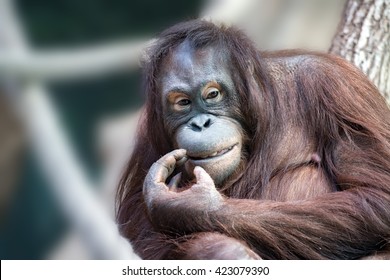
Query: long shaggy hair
(341,113)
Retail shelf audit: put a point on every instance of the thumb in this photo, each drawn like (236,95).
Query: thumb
(202,177)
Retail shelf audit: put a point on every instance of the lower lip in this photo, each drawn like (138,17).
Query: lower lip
(214,157)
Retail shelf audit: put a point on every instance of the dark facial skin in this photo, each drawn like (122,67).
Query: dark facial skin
(198,98)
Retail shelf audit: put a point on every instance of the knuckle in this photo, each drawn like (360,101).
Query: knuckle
(165,159)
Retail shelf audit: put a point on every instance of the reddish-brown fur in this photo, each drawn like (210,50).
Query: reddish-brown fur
(316,179)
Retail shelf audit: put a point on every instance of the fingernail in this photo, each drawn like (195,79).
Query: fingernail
(181,161)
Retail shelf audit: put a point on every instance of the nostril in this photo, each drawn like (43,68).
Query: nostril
(195,127)
(200,122)
(207,123)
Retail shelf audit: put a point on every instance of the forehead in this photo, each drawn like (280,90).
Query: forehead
(187,68)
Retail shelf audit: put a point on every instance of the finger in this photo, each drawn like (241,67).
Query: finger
(153,191)
(202,177)
(170,160)
(181,161)
(174,183)
(164,167)
(172,157)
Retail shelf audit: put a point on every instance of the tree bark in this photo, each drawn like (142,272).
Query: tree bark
(363,38)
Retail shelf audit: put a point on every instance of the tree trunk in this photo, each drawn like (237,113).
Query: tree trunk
(363,38)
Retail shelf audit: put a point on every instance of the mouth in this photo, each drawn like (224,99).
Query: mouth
(205,156)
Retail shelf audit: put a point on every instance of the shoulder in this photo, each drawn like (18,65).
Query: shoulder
(300,59)
(299,63)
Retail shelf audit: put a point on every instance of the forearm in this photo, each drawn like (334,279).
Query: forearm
(339,225)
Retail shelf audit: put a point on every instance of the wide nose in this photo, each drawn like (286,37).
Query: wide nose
(200,122)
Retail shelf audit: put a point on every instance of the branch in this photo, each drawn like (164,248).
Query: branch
(65,64)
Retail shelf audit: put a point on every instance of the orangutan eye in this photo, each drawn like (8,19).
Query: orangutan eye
(183,102)
(213,93)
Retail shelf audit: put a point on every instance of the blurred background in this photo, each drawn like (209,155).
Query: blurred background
(65,132)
